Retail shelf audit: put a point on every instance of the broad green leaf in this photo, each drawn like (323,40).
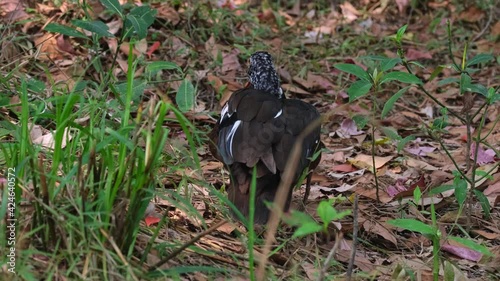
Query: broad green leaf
(471,245)
(449,271)
(392,100)
(391,133)
(139,86)
(145,13)
(403,77)
(306,229)
(35,85)
(114,6)
(389,64)
(354,70)
(140,27)
(413,225)
(440,189)
(476,88)
(64,30)
(447,81)
(480,59)
(460,190)
(297,218)
(162,65)
(185,96)
(358,89)
(360,120)
(97,27)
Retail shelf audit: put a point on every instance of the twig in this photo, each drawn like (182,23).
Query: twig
(354,239)
(119,254)
(332,252)
(189,243)
(281,196)
(488,23)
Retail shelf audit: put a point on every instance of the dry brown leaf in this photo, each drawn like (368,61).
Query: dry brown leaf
(495,29)
(168,13)
(379,229)
(230,61)
(48,141)
(365,161)
(47,46)
(211,47)
(64,45)
(293,89)
(472,14)
(349,13)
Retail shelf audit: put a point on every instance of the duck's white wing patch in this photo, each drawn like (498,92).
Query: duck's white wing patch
(230,136)
(224,114)
(278,114)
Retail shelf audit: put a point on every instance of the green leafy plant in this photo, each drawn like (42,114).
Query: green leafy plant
(306,225)
(376,77)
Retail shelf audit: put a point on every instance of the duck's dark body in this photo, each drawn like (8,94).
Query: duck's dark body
(259,129)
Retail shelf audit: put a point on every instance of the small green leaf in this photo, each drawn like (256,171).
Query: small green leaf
(400,33)
(436,72)
(391,133)
(185,96)
(388,64)
(417,194)
(485,204)
(472,245)
(460,190)
(480,59)
(354,70)
(64,30)
(97,27)
(465,81)
(358,89)
(306,229)
(403,142)
(114,6)
(162,65)
(35,85)
(413,225)
(392,100)
(326,212)
(403,77)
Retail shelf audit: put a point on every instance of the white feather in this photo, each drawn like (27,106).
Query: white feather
(278,114)
(230,136)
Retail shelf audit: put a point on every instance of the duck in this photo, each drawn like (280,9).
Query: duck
(257,129)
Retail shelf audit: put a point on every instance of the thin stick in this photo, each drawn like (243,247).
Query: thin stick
(189,243)
(281,196)
(332,252)
(354,238)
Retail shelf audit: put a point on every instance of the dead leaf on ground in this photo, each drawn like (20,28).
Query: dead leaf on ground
(366,161)
(472,14)
(47,47)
